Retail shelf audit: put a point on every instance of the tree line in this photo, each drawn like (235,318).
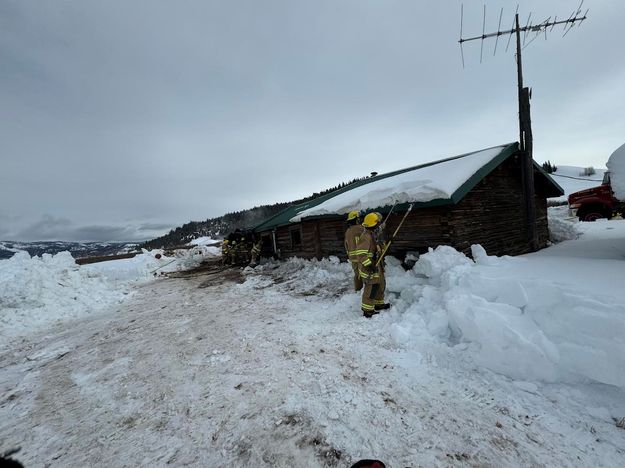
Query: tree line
(220,226)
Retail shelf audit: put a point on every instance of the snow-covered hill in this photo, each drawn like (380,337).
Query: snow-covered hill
(571,179)
(77,249)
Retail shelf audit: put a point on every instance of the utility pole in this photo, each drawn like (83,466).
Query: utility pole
(525,122)
(526,144)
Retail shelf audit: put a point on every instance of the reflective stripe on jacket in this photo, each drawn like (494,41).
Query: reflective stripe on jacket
(365,253)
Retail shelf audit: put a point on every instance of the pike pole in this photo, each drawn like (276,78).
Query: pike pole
(168,263)
(389,214)
(388,244)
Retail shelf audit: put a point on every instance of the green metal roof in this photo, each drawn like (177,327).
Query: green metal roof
(283,217)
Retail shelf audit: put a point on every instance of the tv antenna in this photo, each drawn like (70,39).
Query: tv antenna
(533,31)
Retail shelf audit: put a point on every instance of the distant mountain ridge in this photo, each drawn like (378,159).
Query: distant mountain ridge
(77,249)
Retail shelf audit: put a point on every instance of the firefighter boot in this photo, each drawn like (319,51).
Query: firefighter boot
(369,313)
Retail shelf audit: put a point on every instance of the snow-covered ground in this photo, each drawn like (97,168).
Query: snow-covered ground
(493,362)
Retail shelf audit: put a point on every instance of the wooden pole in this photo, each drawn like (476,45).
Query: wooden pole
(526,146)
(519,72)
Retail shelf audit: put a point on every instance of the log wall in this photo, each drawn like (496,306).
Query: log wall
(491,214)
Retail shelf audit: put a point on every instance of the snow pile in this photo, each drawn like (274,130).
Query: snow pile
(561,226)
(524,328)
(433,266)
(36,291)
(191,258)
(204,240)
(616,166)
(138,268)
(428,183)
(323,278)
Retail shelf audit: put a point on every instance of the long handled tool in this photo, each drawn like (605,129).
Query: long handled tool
(389,214)
(388,244)
(168,263)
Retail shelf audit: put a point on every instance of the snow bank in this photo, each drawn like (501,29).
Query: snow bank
(616,166)
(523,328)
(204,240)
(561,227)
(191,258)
(319,278)
(36,291)
(439,180)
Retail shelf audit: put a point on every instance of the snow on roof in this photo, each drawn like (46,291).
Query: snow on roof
(616,166)
(426,183)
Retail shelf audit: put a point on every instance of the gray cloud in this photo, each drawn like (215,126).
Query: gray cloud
(160,112)
(52,228)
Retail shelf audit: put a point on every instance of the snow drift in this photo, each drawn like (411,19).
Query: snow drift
(524,328)
(36,291)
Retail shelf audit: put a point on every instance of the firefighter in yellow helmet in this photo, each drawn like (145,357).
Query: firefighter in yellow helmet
(352,237)
(234,252)
(255,252)
(368,251)
(225,252)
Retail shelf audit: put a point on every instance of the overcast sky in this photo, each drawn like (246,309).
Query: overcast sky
(122,119)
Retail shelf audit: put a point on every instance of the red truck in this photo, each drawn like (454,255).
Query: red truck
(596,202)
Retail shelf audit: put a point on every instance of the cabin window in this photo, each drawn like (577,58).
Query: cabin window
(296,238)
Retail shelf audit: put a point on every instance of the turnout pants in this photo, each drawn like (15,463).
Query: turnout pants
(357,278)
(373,294)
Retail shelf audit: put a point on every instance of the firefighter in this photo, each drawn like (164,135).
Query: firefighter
(255,253)
(225,252)
(352,236)
(368,251)
(234,252)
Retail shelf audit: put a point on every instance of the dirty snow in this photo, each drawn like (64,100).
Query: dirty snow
(421,185)
(616,166)
(495,361)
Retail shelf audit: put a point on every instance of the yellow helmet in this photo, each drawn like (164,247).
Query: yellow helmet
(352,215)
(225,241)
(372,219)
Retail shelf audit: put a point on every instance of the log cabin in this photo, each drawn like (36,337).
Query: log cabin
(473,198)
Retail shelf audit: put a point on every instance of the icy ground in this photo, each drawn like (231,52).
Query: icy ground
(498,362)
